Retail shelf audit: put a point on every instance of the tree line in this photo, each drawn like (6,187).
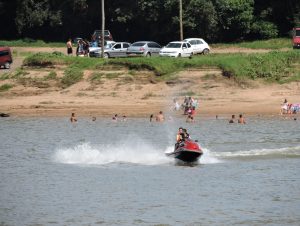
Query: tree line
(158,20)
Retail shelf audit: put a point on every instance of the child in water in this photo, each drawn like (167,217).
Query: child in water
(73,118)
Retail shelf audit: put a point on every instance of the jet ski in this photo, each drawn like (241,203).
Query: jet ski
(187,151)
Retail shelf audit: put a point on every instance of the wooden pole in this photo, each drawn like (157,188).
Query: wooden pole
(103,27)
(180,20)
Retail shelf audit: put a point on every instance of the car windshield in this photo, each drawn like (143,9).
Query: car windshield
(174,45)
(297,33)
(108,46)
(138,44)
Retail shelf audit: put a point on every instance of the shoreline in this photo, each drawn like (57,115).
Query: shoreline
(132,113)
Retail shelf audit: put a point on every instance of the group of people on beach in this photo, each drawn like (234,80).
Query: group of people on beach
(289,108)
(82,48)
(188,106)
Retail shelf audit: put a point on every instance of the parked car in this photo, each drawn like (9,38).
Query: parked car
(76,40)
(98,33)
(199,45)
(296,37)
(5,57)
(177,49)
(144,48)
(117,49)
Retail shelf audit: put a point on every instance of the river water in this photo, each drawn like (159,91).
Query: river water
(116,173)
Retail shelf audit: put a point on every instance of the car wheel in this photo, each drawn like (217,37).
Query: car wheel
(179,55)
(7,65)
(148,55)
(205,51)
(191,56)
(106,55)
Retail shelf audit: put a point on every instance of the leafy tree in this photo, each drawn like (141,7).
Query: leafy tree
(201,19)
(35,14)
(235,17)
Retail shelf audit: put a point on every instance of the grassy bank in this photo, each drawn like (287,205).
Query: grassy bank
(273,66)
(277,43)
(31,43)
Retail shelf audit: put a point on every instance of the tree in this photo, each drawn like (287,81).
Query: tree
(235,18)
(201,19)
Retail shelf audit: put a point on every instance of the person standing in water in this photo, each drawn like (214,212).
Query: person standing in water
(73,118)
(232,119)
(160,117)
(151,117)
(241,119)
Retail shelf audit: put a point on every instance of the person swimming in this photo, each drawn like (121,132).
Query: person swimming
(160,117)
(232,119)
(115,117)
(241,119)
(73,118)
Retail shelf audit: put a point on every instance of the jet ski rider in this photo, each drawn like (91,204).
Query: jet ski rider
(181,136)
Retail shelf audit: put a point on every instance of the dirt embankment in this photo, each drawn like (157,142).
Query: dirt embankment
(138,94)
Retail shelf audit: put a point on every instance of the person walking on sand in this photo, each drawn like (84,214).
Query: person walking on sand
(160,117)
(73,118)
(69,47)
(241,119)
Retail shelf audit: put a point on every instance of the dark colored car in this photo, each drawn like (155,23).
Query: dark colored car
(5,57)
(98,33)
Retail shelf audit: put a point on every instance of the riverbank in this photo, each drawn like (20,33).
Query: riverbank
(140,98)
(90,87)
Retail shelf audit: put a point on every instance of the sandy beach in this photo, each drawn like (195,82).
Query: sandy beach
(127,95)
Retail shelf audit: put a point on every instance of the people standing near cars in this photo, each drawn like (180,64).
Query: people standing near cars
(86,47)
(69,47)
(80,49)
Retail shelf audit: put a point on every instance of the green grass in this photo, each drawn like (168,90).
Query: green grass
(274,65)
(51,76)
(31,43)
(71,76)
(277,43)
(5,87)
(4,76)
(19,73)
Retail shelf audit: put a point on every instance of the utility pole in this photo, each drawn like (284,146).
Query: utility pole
(103,27)
(180,20)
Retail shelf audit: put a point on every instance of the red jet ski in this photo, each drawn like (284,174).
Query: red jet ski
(187,151)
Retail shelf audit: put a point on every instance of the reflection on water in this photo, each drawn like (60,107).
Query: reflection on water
(54,172)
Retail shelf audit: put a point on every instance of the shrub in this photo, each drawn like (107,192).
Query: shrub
(43,60)
(264,29)
(72,76)
(5,87)
(51,76)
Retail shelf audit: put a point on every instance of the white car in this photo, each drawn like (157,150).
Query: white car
(177,49)
(199,45)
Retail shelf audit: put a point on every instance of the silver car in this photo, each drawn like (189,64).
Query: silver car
(117,49)
(144,48)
